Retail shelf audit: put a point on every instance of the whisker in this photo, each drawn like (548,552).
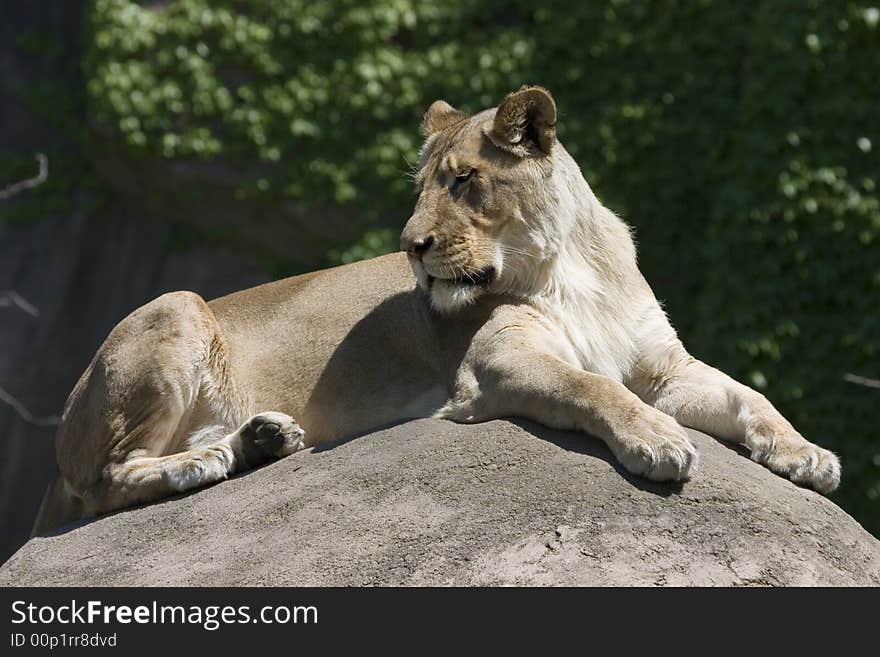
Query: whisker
(412,170)
(515,251)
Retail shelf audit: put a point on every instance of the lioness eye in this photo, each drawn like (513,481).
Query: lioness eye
(463,176)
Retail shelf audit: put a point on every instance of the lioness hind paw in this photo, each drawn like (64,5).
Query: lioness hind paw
(269,435)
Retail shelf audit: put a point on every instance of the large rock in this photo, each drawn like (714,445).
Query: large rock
(431,502)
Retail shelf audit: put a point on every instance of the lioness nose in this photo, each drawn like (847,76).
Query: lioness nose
(417,247)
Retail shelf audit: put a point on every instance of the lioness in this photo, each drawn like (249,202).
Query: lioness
(526,301)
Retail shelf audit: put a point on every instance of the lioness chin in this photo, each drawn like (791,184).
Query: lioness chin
(526,301)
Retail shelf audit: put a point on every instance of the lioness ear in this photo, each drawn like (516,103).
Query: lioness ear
(524,119)
(440,115)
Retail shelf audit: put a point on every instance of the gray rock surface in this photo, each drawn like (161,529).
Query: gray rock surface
(435,503)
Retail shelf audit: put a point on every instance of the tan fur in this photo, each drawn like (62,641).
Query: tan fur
(526,301)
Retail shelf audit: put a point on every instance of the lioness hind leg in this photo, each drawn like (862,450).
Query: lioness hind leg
(148,478)
(152,414)
(264,437)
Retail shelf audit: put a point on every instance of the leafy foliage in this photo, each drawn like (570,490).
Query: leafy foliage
(739,138)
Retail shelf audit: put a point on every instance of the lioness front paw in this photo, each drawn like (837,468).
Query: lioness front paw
(270,435)
(656,446)
(804,463)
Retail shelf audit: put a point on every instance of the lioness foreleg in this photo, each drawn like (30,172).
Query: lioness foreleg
(703,398)
(544,388)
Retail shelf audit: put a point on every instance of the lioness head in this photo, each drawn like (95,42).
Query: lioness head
(495,199)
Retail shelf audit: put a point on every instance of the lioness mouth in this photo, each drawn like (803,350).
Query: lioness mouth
(482,277)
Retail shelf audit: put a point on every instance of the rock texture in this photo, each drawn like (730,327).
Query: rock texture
(435,503)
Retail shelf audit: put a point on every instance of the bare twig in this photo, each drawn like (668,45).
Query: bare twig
(39,179)
(25,414)
(861,380)
(13,298)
